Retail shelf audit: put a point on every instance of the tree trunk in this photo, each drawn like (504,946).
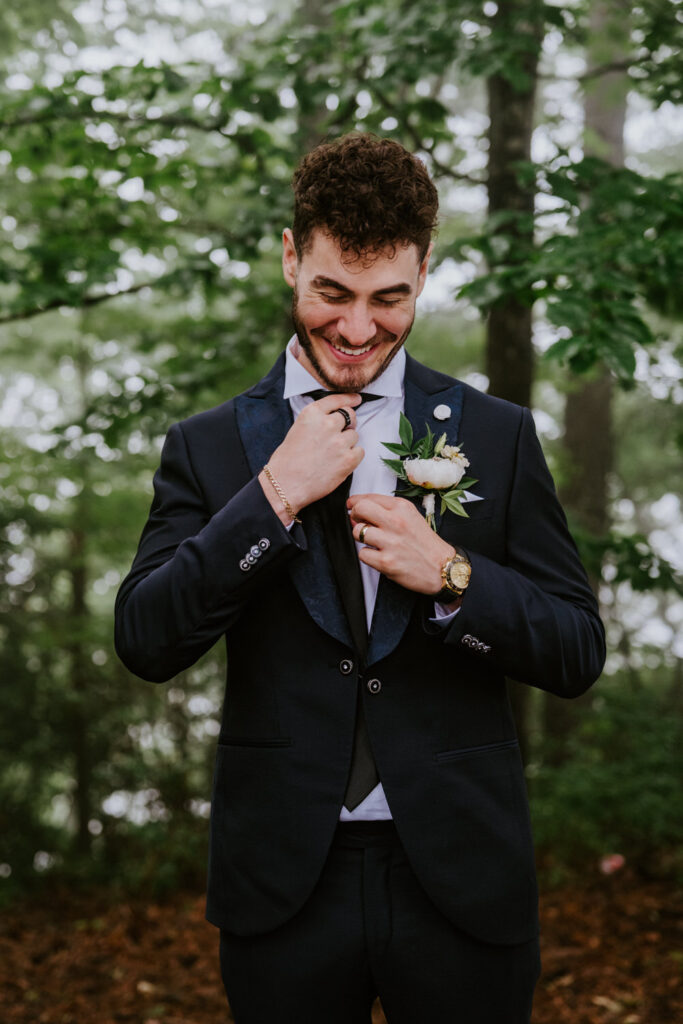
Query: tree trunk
(313,122)
(509,350)
(589,447)
(588,440)
(79,682)
(79,719)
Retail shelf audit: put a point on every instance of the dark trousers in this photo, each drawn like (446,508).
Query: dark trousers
(369,930)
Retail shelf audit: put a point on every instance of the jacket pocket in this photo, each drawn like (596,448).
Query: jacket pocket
(477,510)
(487,748)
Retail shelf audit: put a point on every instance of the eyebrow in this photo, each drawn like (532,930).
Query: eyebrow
(401,288)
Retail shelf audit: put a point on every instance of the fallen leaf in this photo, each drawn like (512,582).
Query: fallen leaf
(608,1004)
(146,988)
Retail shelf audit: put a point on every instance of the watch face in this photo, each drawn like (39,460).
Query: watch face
(459,574)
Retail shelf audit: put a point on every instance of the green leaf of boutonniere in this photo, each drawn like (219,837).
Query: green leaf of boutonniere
(405,432)
(451,501)
(438,447)
(397,449)
(409,492)
(425,446)
(396,466)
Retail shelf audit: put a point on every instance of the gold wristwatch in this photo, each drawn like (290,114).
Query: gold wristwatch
(455,576)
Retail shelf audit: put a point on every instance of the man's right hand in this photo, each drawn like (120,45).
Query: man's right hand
(315,456)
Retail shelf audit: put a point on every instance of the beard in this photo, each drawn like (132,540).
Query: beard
(349,379)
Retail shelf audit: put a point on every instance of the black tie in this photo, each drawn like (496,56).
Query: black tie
(341,546)
(321,393)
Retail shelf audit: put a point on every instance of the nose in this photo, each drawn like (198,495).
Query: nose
(356,324)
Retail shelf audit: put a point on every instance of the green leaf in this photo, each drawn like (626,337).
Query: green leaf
(409,492)
(396,466)
(438,447)
(398,449)
(425,446)
(467,482)
(448,500)
(405,431)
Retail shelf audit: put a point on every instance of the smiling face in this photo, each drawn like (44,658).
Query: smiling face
(351,317)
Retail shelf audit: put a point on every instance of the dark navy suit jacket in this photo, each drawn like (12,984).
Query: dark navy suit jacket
(215,560)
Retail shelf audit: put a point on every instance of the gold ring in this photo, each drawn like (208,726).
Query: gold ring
(361,532)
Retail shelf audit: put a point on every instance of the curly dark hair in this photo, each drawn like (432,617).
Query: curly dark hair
(368,193)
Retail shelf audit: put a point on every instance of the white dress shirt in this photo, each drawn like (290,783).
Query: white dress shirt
(376,422)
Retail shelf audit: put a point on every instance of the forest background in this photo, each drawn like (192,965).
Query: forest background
(145,158)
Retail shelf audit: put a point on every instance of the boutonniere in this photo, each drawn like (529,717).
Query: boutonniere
(429,466)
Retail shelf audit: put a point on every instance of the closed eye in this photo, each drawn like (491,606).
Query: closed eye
(345,298)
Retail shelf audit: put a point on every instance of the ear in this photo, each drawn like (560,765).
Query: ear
(424,266)
(289,258)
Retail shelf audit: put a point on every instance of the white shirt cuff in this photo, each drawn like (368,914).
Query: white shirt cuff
(442,616)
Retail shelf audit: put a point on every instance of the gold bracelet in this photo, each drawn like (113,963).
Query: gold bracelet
(281,494)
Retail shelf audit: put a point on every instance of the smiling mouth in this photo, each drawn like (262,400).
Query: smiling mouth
(360,350)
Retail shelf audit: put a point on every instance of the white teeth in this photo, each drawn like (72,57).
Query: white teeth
(352,351)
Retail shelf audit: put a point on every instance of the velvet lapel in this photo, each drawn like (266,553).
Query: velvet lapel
(425,389)
(263,418)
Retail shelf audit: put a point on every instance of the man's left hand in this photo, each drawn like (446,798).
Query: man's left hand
(400,543)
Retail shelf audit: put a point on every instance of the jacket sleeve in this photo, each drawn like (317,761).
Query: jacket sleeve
(193,572)
(535,617)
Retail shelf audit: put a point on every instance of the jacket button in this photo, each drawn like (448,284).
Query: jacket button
(374,685)
(346,667)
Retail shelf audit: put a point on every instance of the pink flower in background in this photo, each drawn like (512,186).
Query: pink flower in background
(612,863)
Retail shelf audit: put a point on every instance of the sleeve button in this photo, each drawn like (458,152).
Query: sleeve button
(244,565)
(249,558)
(255,550)
(264,544)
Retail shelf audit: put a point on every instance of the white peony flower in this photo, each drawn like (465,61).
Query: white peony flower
(436,474)
(451,451)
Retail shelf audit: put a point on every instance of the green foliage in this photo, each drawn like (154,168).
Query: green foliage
(140,282)
(658,31)
(622,247)
(619,790)
(627,558)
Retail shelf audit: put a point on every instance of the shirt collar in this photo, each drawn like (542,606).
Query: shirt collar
(298,381)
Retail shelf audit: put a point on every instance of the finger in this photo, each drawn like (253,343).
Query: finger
(371,557)
(369,511)
(359,455)
(350,437)
(347,416)
(371,535)
(334,419)
(387,501)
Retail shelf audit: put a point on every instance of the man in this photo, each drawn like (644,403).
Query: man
(369,831)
